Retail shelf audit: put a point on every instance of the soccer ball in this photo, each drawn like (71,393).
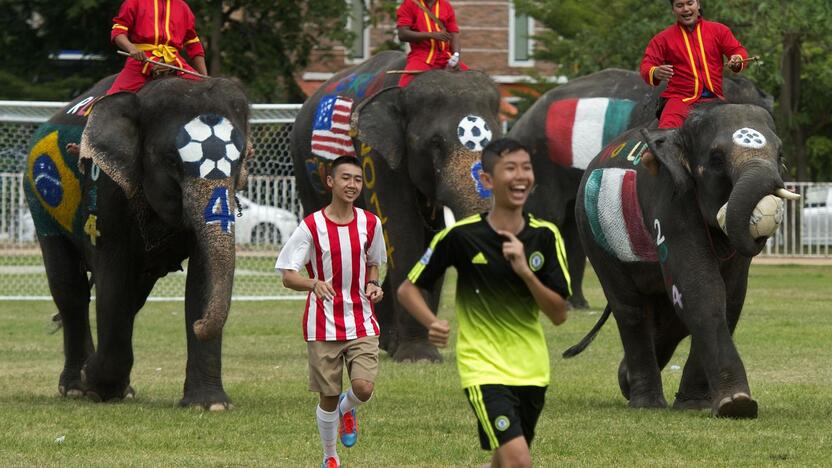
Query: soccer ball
(765,218)
(473,132)
(210,146)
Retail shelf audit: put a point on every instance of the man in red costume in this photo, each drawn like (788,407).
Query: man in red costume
(689,55)
(430,28)
(154,31)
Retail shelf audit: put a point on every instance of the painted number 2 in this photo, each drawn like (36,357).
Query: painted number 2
(217,210)
(662,247)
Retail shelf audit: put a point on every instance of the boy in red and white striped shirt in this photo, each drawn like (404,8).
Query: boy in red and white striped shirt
(341,247)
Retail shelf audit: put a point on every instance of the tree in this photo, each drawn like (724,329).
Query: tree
(264,43)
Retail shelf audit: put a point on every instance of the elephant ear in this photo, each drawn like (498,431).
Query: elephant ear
(665,145)
(112,140)
(378,125)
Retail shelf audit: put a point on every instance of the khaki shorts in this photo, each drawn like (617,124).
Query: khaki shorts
(327,358)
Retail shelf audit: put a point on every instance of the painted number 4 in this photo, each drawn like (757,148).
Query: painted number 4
(217,210)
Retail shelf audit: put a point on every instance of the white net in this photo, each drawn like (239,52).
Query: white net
(270,208)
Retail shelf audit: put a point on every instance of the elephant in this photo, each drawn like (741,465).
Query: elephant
(648,214)
(420,149)
(152,185)
(568,125)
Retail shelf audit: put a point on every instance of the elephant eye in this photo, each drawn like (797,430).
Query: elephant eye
(717,159)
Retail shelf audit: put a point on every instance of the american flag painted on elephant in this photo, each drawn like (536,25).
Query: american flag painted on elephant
(331,128)
(615,217)
(577,129)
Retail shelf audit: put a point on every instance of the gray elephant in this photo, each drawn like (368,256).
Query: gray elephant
(570,124)
(153,186)
(419,147)
(648,213)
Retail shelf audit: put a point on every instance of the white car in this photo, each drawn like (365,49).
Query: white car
(263,224)
(817,216)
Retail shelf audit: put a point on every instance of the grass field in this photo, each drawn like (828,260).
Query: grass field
(419,416)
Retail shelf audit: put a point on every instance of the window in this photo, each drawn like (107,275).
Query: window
(359,50)
(521,30)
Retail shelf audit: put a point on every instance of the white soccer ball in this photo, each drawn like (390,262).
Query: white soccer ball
(473,132)
(765,218)
(209,146)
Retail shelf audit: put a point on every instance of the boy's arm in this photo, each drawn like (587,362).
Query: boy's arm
(550,302)
(294,281)
(411,298)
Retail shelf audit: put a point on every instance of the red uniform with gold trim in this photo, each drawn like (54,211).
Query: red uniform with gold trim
(697,59)
(429,54)
(161,28)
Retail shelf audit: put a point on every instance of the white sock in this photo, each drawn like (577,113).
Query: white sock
(328,429)
(351,401)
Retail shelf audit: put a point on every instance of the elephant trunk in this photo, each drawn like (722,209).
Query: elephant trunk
(211,263)
(459,189)
(756,180)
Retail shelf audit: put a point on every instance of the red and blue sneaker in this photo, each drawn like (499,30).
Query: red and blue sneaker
(330,462)
(347,426)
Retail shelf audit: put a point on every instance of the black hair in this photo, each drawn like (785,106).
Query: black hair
(341,160)
(497,149)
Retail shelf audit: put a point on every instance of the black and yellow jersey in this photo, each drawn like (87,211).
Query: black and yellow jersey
(500,338)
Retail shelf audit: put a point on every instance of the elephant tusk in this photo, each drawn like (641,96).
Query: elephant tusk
(450,220)
(785,194)
(720,217)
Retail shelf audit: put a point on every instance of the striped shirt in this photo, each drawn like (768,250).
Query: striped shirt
(339,254)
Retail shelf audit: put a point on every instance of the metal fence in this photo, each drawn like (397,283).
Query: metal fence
(805,232)
(268,200)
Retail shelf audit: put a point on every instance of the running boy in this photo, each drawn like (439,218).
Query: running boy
(341,247)
(509,265)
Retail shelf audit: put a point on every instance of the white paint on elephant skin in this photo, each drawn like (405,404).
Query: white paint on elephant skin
(473,132)
(749,138)
(209,145)
(677,296)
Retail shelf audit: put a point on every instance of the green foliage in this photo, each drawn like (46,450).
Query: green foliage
(264,43)
(418,416)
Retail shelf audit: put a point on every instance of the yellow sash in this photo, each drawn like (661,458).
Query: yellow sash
(163,51)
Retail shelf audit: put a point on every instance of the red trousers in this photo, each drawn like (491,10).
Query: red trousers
(676,111)
(132,79)
(417,62)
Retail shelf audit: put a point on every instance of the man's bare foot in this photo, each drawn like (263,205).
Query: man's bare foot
(73,148)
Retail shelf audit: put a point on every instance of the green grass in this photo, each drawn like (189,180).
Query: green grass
(419,416)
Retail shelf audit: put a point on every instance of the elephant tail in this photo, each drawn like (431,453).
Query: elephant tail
(578,348)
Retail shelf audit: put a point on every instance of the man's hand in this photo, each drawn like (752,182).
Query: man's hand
(663,72)
(374,293)
(438,333)
(441,36)
(514,252)
(735,64)
(323,290)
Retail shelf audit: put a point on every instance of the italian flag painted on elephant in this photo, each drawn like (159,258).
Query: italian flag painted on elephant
(614,215)
(577,129)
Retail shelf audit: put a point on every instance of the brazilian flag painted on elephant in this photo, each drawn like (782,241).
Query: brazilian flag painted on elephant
(577,129)
(52,182)
(615,217)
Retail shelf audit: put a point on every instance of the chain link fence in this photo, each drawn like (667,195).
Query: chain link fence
(270,208)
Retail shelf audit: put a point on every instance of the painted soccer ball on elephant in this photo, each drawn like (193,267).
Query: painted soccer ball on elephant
(210,146)
(473,132)
(765,219)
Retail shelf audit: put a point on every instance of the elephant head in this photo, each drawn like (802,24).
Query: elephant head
(434,130)
(730,155)
(178,146)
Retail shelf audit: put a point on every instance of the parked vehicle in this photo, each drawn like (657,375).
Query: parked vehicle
(817,216)
(263,224)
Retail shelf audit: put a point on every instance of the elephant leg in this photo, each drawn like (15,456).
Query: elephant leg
(106,374)
(576,259)
(639,375)
(203,371)
(694,391)
(71,292)
(386,314)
